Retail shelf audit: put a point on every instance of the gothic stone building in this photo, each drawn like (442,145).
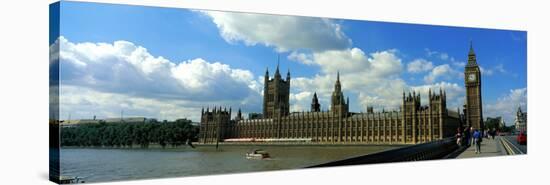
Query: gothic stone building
(412,124)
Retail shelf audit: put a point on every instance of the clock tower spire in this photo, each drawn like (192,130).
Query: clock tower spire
(472,82)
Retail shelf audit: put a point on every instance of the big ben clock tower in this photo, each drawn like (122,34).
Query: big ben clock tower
(472,81)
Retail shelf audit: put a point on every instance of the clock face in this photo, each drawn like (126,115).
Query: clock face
(471,77)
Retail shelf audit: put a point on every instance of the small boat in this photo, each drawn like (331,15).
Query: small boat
(70,180)
(257,154)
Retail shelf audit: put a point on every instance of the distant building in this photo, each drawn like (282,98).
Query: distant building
(498,121)
(521,120)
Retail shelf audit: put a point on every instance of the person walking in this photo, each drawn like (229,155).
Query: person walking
(477,140)
(459,137)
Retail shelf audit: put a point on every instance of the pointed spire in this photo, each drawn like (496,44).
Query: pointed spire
(239,114)
(277,70)
(337,86)
(471,49)
(347,101)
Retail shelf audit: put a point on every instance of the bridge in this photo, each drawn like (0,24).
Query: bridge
(441,149)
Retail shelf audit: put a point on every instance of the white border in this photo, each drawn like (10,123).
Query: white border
(24,93)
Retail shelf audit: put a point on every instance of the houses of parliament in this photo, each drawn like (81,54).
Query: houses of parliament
(413,123)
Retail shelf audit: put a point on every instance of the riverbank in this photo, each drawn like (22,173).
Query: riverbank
(150,146)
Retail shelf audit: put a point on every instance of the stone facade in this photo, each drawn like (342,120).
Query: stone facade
(411,124)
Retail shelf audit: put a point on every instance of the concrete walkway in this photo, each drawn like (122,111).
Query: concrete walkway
(489,148)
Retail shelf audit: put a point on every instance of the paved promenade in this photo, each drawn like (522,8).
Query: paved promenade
(489,148)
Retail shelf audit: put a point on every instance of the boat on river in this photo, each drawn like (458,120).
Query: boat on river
(257,154)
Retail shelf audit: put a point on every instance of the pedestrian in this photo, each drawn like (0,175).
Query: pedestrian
(477,140)
(467,136)
(459,137)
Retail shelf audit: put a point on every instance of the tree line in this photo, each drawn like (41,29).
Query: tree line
(179,132)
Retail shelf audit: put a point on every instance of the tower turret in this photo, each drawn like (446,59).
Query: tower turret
(338,105)
(315,106)
(276,94)
(472,82)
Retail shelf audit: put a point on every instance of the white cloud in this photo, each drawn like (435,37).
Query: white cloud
(303,58)
(320,42)
(282,32)
(382,63)
(374,77)
(442,72)
(124,70)
(300,101)
(507,105)
(419,65)
(84,103)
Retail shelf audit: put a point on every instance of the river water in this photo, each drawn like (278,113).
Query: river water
(97,165)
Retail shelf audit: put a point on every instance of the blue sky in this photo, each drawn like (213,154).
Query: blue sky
(175,61)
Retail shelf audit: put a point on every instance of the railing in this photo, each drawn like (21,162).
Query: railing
(425,151)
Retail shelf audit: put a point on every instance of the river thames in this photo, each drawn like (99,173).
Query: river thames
(98,165)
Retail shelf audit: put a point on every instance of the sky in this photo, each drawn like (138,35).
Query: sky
(169,63)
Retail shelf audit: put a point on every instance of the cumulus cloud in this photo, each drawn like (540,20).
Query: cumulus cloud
(376,64)
(128,71)
(444,71)
(303,58)
(300,101)
(507,105)
(282,32)
(419,65)
(374,78)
